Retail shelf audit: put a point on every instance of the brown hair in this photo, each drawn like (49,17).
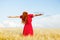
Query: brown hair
(24,17)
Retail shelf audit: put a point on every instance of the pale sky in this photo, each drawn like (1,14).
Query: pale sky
(50,8)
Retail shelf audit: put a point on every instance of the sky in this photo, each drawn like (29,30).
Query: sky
(49,8)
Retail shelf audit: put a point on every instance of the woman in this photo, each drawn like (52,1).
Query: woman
(26,20)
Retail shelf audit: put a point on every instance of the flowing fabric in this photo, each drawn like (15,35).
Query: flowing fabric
(28,30)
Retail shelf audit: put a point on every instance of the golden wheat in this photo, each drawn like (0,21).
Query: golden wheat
(39,34)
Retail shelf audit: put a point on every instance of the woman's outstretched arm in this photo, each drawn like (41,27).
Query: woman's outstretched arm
(13,16)
(38,14)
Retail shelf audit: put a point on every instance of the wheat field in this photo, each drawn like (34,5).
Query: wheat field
(39,34)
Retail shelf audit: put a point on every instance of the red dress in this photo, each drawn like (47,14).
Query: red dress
(28,30)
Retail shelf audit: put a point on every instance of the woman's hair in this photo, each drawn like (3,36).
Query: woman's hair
(24,17)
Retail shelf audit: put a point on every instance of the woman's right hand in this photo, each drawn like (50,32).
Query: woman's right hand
(9,17)
(13,16)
